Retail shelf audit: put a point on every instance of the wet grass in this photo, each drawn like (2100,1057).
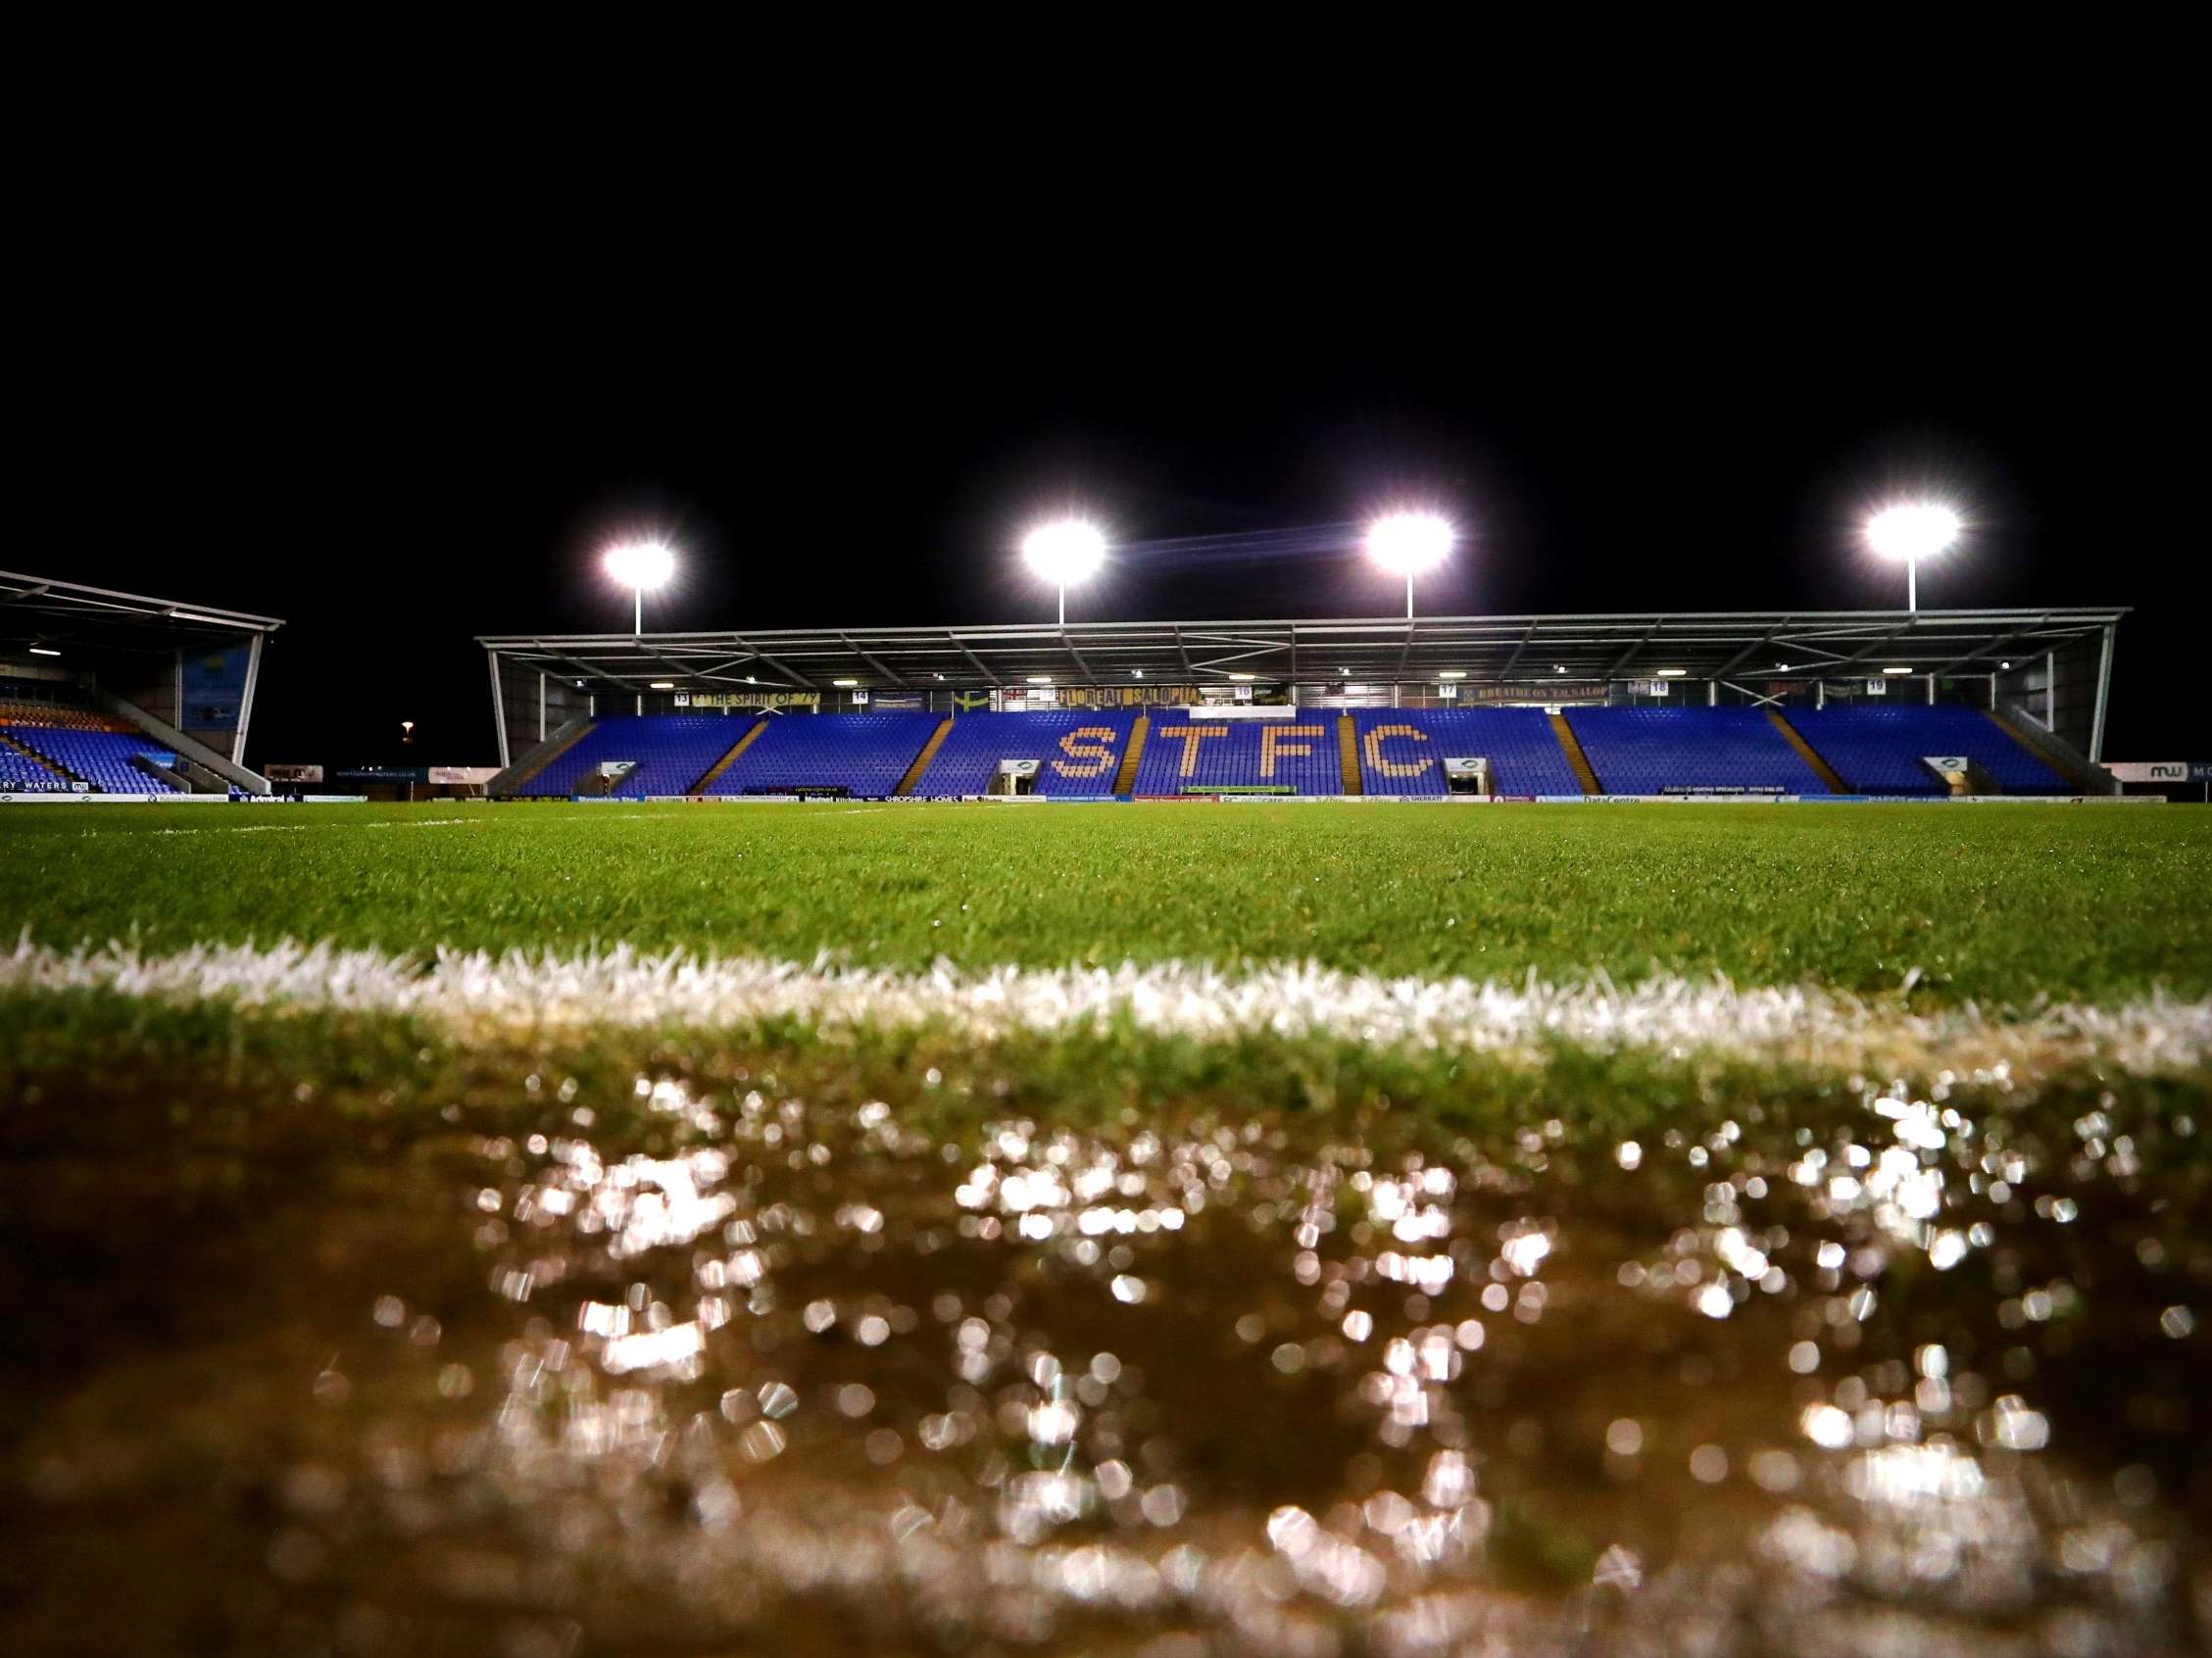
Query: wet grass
(207,1228)
(2001,904)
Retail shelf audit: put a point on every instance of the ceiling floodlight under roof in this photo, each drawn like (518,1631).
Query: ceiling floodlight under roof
(1673,673)
(844,684)
(1039,679)
(662,685)
(1897,670)
(43,651)
(1452,673)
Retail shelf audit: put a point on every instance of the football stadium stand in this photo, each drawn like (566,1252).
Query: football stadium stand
(1673,751)
(668,755)
(25,774)
(860,753)
(1178,750)
(86,747)
(1080,749)
(1883,750)
(1202,755)
(1402,751)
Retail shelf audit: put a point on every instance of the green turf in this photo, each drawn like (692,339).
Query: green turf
(2002,903)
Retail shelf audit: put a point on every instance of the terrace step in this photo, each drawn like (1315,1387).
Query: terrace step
(1347,753)
(1571,746)
(729,759)
(1806,752)
(912,780)
(1125,780)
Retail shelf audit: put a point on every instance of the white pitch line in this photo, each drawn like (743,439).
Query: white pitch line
(1673,1018)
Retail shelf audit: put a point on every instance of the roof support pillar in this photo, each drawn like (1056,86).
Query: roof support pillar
(2103,695)
(499,710)
(246,702)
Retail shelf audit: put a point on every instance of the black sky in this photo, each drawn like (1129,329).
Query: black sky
(401,399)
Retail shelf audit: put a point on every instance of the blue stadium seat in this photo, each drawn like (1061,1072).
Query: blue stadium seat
(1081,750)
(1402,751)
(1661,751)
(1878,750)
(1189,749)
(672,751)
(862,754)
(101,757)
(21,775)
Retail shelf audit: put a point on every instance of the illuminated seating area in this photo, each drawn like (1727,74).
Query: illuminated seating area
(672,752)
(1402,751)
(1676,750)
(20,774)
(1184,754)
(1080,749)
(102,757)
(862,754)
(1882,750)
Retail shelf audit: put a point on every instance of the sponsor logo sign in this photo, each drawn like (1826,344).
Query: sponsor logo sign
(748,699)
(2161,771)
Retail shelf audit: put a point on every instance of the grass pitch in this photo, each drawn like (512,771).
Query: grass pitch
(403,1302)
(2003,904)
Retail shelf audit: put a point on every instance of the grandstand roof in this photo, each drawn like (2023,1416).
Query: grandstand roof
(1484,650)
(48,612)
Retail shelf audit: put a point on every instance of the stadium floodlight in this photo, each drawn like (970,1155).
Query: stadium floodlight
(641,566)
(844,684)
(42,651)
(1066,551)
(1897,670)
(662,685)
(1912,531)
(1408,542)
(1673,673)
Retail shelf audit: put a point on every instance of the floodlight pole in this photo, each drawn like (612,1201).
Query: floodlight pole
(1912,585)
(1063,603)
(1408,595)
(638,593)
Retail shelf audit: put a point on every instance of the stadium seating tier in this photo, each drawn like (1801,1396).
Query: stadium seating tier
(1672,750)
(862,754)
(1882,750)
(671,751)
(1190,749)
(99,756)
(1402,751)
(1081,750)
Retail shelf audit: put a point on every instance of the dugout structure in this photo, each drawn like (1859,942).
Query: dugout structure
(2049,670)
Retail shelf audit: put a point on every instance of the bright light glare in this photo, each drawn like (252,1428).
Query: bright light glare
(1912,532)
(1064,551)
(642,565)
(1408,542)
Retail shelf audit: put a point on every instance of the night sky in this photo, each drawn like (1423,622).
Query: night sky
(398,442)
